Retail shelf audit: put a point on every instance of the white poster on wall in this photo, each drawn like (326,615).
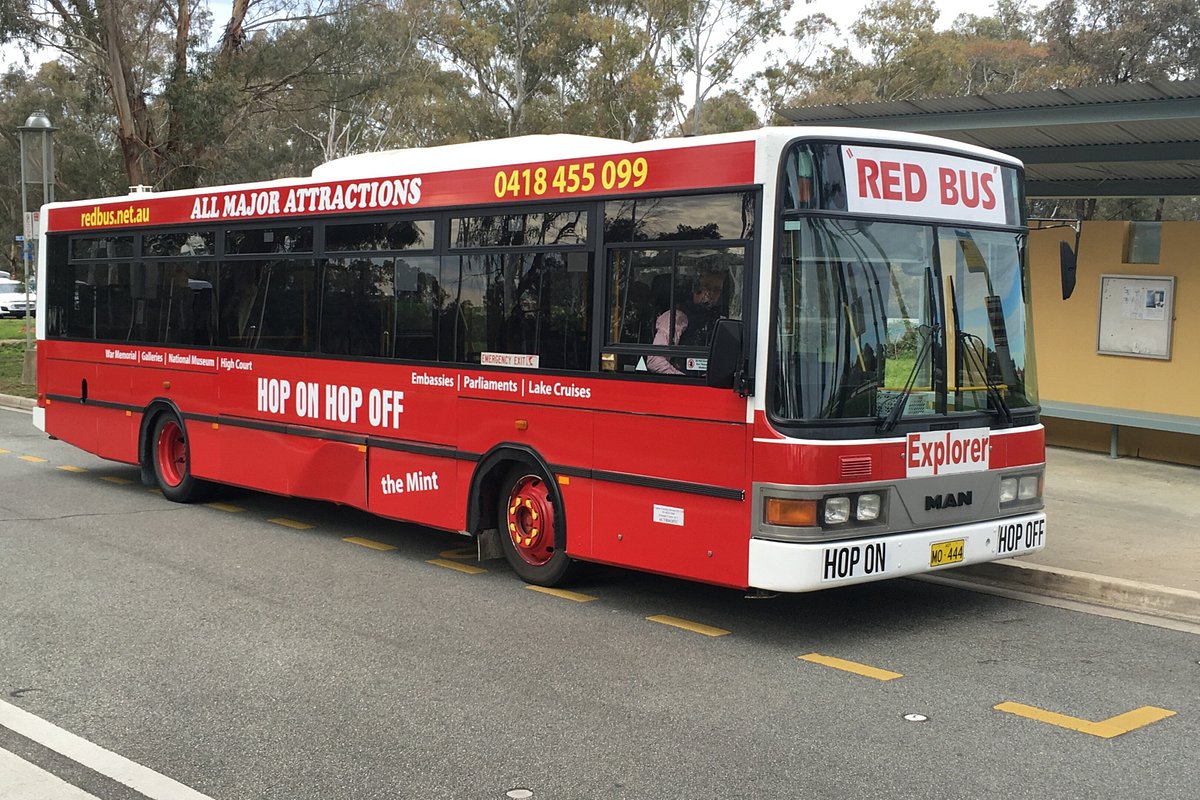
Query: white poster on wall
(1136,315)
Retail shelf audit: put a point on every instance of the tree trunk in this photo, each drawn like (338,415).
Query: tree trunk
(128,108)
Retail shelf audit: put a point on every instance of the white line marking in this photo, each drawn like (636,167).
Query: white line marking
(20,780)
(95,757)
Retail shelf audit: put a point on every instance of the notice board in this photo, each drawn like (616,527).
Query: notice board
(1136,315)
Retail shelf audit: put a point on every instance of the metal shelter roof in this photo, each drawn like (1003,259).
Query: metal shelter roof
(1130,140)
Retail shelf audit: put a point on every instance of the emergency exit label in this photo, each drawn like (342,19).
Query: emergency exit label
(912,183)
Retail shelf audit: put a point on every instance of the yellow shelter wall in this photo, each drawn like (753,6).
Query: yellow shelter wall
(1065,332)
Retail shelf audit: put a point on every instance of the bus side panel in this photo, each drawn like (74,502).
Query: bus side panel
(578,494)
(327,470)
(204,445)
(416,487)
(192,392)
(117,434)
(687,533)
(69,420)
(254,459)
(562,436)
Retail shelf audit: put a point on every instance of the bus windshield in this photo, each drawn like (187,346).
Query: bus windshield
(896,321)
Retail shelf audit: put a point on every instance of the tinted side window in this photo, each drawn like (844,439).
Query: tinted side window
(519,303)
(419,301)
(693,217)
(174,302)
(87,247)
(664,304)
(101,304)
(189,243)
(293,239)
(269,305)
(520,230)
(389,235)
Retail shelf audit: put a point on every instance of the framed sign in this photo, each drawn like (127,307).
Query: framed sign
(1136,316)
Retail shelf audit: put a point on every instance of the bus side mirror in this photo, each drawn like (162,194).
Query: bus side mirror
(1066,265)
(725,359)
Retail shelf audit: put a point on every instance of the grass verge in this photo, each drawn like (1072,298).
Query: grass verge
(12,362)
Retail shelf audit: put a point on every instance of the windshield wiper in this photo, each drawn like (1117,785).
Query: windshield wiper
(967,342)
(927,332)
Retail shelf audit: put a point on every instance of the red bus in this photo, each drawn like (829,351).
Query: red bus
(785,359)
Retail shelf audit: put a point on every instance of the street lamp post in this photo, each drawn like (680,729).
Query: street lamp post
(37,166)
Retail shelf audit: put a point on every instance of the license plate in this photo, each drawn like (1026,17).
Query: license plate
(943,553)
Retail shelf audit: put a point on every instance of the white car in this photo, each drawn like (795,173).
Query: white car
(12,299)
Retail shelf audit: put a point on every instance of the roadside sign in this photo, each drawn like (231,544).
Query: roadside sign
(33,220)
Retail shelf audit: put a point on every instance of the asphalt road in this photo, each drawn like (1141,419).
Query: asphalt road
(239,653)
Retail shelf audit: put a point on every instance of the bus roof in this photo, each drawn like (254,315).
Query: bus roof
(554,146)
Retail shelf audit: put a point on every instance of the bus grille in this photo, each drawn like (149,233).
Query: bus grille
(856,467)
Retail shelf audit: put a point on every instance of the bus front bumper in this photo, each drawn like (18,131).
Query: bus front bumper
(791,567)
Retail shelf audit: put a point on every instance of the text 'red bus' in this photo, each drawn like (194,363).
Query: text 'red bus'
(784,359)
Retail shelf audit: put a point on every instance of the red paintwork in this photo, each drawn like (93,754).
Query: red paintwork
(668,170)
(580,424)
(819,463)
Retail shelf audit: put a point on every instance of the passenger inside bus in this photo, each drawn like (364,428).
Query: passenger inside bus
(693,321)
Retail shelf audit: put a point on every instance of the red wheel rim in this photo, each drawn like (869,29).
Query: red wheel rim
(172,454)
(531,520)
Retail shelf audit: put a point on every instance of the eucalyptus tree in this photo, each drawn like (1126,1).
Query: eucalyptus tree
(1119,41)
(161,74)
(514,52)
(715,37)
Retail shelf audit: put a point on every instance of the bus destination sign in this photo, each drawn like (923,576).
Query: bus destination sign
(912,183)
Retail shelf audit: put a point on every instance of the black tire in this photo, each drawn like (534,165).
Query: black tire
(171,455)
(532,527)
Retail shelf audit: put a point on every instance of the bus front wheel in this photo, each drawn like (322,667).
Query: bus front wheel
(530,527)
(173,462)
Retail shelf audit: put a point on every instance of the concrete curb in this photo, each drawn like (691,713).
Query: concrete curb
(12,401)
(1144,598)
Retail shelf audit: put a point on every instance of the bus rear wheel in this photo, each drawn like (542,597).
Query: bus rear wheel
(173,462)
(530,527)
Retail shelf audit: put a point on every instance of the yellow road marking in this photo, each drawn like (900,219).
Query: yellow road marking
(1105,729)
(852,666)
(291,523)
(225,507)
(467,568)
(33,459)
(563,593)
(459,553)
(69,468)
(368,543)
(116,480)
(687,625)
(3,451)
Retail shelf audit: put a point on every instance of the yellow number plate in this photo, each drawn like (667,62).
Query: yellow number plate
(943,553)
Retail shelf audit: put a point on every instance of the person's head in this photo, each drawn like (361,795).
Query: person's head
(708,288)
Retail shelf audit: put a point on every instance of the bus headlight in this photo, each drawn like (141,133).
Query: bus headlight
(837,510)
(1029,487)
(867,509)
(1020,488)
